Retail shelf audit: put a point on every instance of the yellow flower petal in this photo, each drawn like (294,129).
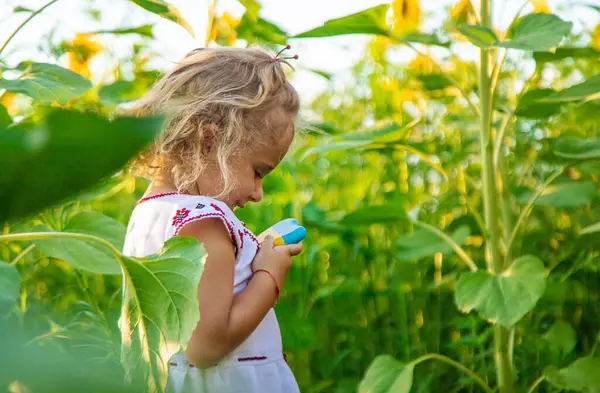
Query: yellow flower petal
(596,38)
(407,15)
(541,7)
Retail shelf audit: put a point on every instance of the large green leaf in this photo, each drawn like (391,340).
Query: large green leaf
(578,149)
(529,105)
(66,154)
(563,195)
(506,298)
(375,215)
(161,308)
(587,89)
(387,375)
(580,376)
(423,243)
(369,21)
(561,338)
(165,10)
(538,32)
(480,36)
(88,256)
(47,83)
(10,281)
(565,53)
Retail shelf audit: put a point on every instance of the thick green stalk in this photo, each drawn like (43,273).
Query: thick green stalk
(490,201)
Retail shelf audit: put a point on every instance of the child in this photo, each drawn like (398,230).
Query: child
(230,117)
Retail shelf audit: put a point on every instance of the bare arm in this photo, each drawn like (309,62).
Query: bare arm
(225,321)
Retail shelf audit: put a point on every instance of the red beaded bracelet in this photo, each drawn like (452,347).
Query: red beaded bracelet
(274,280)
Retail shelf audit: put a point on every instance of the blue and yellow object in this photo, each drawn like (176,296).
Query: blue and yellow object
(284,232)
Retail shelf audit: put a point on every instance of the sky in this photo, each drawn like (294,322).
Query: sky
(334,55)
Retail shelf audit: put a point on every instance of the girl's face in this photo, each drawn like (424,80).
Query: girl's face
(249,171)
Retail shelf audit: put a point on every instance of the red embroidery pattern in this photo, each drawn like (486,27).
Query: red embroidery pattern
(156,196)
(218,214)
(252,358)
(241,238)
(180,215)
(252,237)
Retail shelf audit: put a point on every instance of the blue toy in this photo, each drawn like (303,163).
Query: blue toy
(284,232)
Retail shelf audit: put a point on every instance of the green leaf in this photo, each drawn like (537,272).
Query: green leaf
(506,298)
(578,149)
(10,282)
(580,376)
(538,32)
(144,30)
(5,118)
(60,157)
(480,36)
(587,89)
(375,215)
(564,195)
(434,81)
(47,82)
(423,243)
(161,308)
(121,91)
(252,9)
(380,133)
(88,256)
(591,229)
(530,107)
(260,31)
(565,53)
(165,10)
(21,9)
(369,21)
(561,338)
(421,38)
(387,375)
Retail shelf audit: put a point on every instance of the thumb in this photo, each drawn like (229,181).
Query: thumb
(291,249)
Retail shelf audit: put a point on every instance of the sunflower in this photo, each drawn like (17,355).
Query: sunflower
(541,7)
(224,29)
(596,38)
(407,14)
(81,51)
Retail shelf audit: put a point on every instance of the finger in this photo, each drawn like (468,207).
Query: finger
(291,249)
(268,242)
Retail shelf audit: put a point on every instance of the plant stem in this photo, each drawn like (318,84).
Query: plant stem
(33,14)
(527,209)
(490,202)
(535,384)
(458,249)
(22,254)
(456,365)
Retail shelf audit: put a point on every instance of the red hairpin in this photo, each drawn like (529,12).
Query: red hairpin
(277,58)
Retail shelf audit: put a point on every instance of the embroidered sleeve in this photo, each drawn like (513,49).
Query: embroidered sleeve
(200,209)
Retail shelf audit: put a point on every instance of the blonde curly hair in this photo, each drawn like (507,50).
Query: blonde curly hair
(231,99)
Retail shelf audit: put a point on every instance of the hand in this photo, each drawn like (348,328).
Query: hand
(276,260)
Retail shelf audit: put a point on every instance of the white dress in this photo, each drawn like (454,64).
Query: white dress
(258,364)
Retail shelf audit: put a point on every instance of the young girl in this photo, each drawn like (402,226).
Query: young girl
(230,120)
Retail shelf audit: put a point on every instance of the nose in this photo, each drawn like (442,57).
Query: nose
(257,193)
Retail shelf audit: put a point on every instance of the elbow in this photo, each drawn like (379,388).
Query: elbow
(207,353)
